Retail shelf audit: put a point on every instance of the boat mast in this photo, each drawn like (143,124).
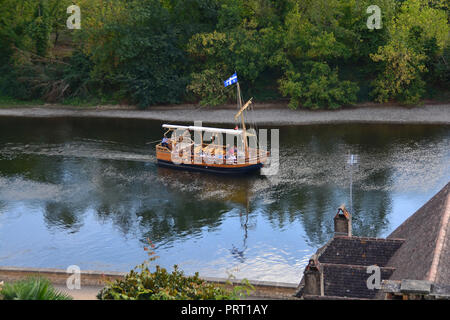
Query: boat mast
(244,133)
(239,98)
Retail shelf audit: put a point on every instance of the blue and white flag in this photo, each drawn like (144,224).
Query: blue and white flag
(231,80)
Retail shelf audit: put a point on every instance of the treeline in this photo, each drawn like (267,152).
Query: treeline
(316,53)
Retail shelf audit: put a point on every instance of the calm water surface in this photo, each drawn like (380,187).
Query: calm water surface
(88,192)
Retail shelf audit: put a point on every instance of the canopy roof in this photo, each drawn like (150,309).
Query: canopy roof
(205,129)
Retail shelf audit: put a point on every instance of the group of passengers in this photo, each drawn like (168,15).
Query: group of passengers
(230,154)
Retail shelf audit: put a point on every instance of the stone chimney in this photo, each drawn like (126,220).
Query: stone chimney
(313,278)
(343,222)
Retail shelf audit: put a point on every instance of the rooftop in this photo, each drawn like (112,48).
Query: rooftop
(425,255)
(417,250)
(343,263)
(359,251)
(350,281)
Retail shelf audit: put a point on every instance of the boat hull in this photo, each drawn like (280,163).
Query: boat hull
(251,168)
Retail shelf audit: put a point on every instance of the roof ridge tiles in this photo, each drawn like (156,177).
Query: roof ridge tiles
(353,266)
(370,239)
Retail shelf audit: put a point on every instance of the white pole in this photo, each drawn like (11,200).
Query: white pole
(352,161)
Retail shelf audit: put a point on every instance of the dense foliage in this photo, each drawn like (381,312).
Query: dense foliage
(31,289)
(162,285)
(316,53)
(143,284)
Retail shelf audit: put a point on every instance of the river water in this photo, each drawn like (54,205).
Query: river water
(88,192)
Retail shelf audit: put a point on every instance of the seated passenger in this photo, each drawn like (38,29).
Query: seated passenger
(165,143)
(230,154)
(230,151)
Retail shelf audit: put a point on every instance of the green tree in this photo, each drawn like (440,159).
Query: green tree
(314,40)
(317,87)
(401,78)
(15,18)
(247,39)
(57,11)
(315,52)
(418,34)
(41,28)
(136,51)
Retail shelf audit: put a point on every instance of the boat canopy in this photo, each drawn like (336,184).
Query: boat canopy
(205,129)
(169,126)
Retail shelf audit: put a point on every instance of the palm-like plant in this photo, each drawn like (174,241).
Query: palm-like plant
(32,289)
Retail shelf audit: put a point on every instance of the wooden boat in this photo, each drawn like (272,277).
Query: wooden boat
(178,150)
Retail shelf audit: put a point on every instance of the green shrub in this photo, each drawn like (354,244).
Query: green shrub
(441,69)
(162,285)
(31,289)
(402,76)
(317,87)
(142,55)
(208,86)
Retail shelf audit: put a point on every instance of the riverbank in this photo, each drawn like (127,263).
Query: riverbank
(91,282)
(264,114)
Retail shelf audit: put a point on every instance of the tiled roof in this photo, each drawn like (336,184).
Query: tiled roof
(419,249)
(350,281)
(359,251)
(425,255)
(344,262)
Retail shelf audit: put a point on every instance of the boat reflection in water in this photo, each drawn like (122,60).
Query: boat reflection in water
(234,190)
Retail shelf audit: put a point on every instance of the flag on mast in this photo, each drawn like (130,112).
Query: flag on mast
(231,80)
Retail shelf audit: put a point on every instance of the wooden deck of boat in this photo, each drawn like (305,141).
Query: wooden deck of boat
(210,158)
